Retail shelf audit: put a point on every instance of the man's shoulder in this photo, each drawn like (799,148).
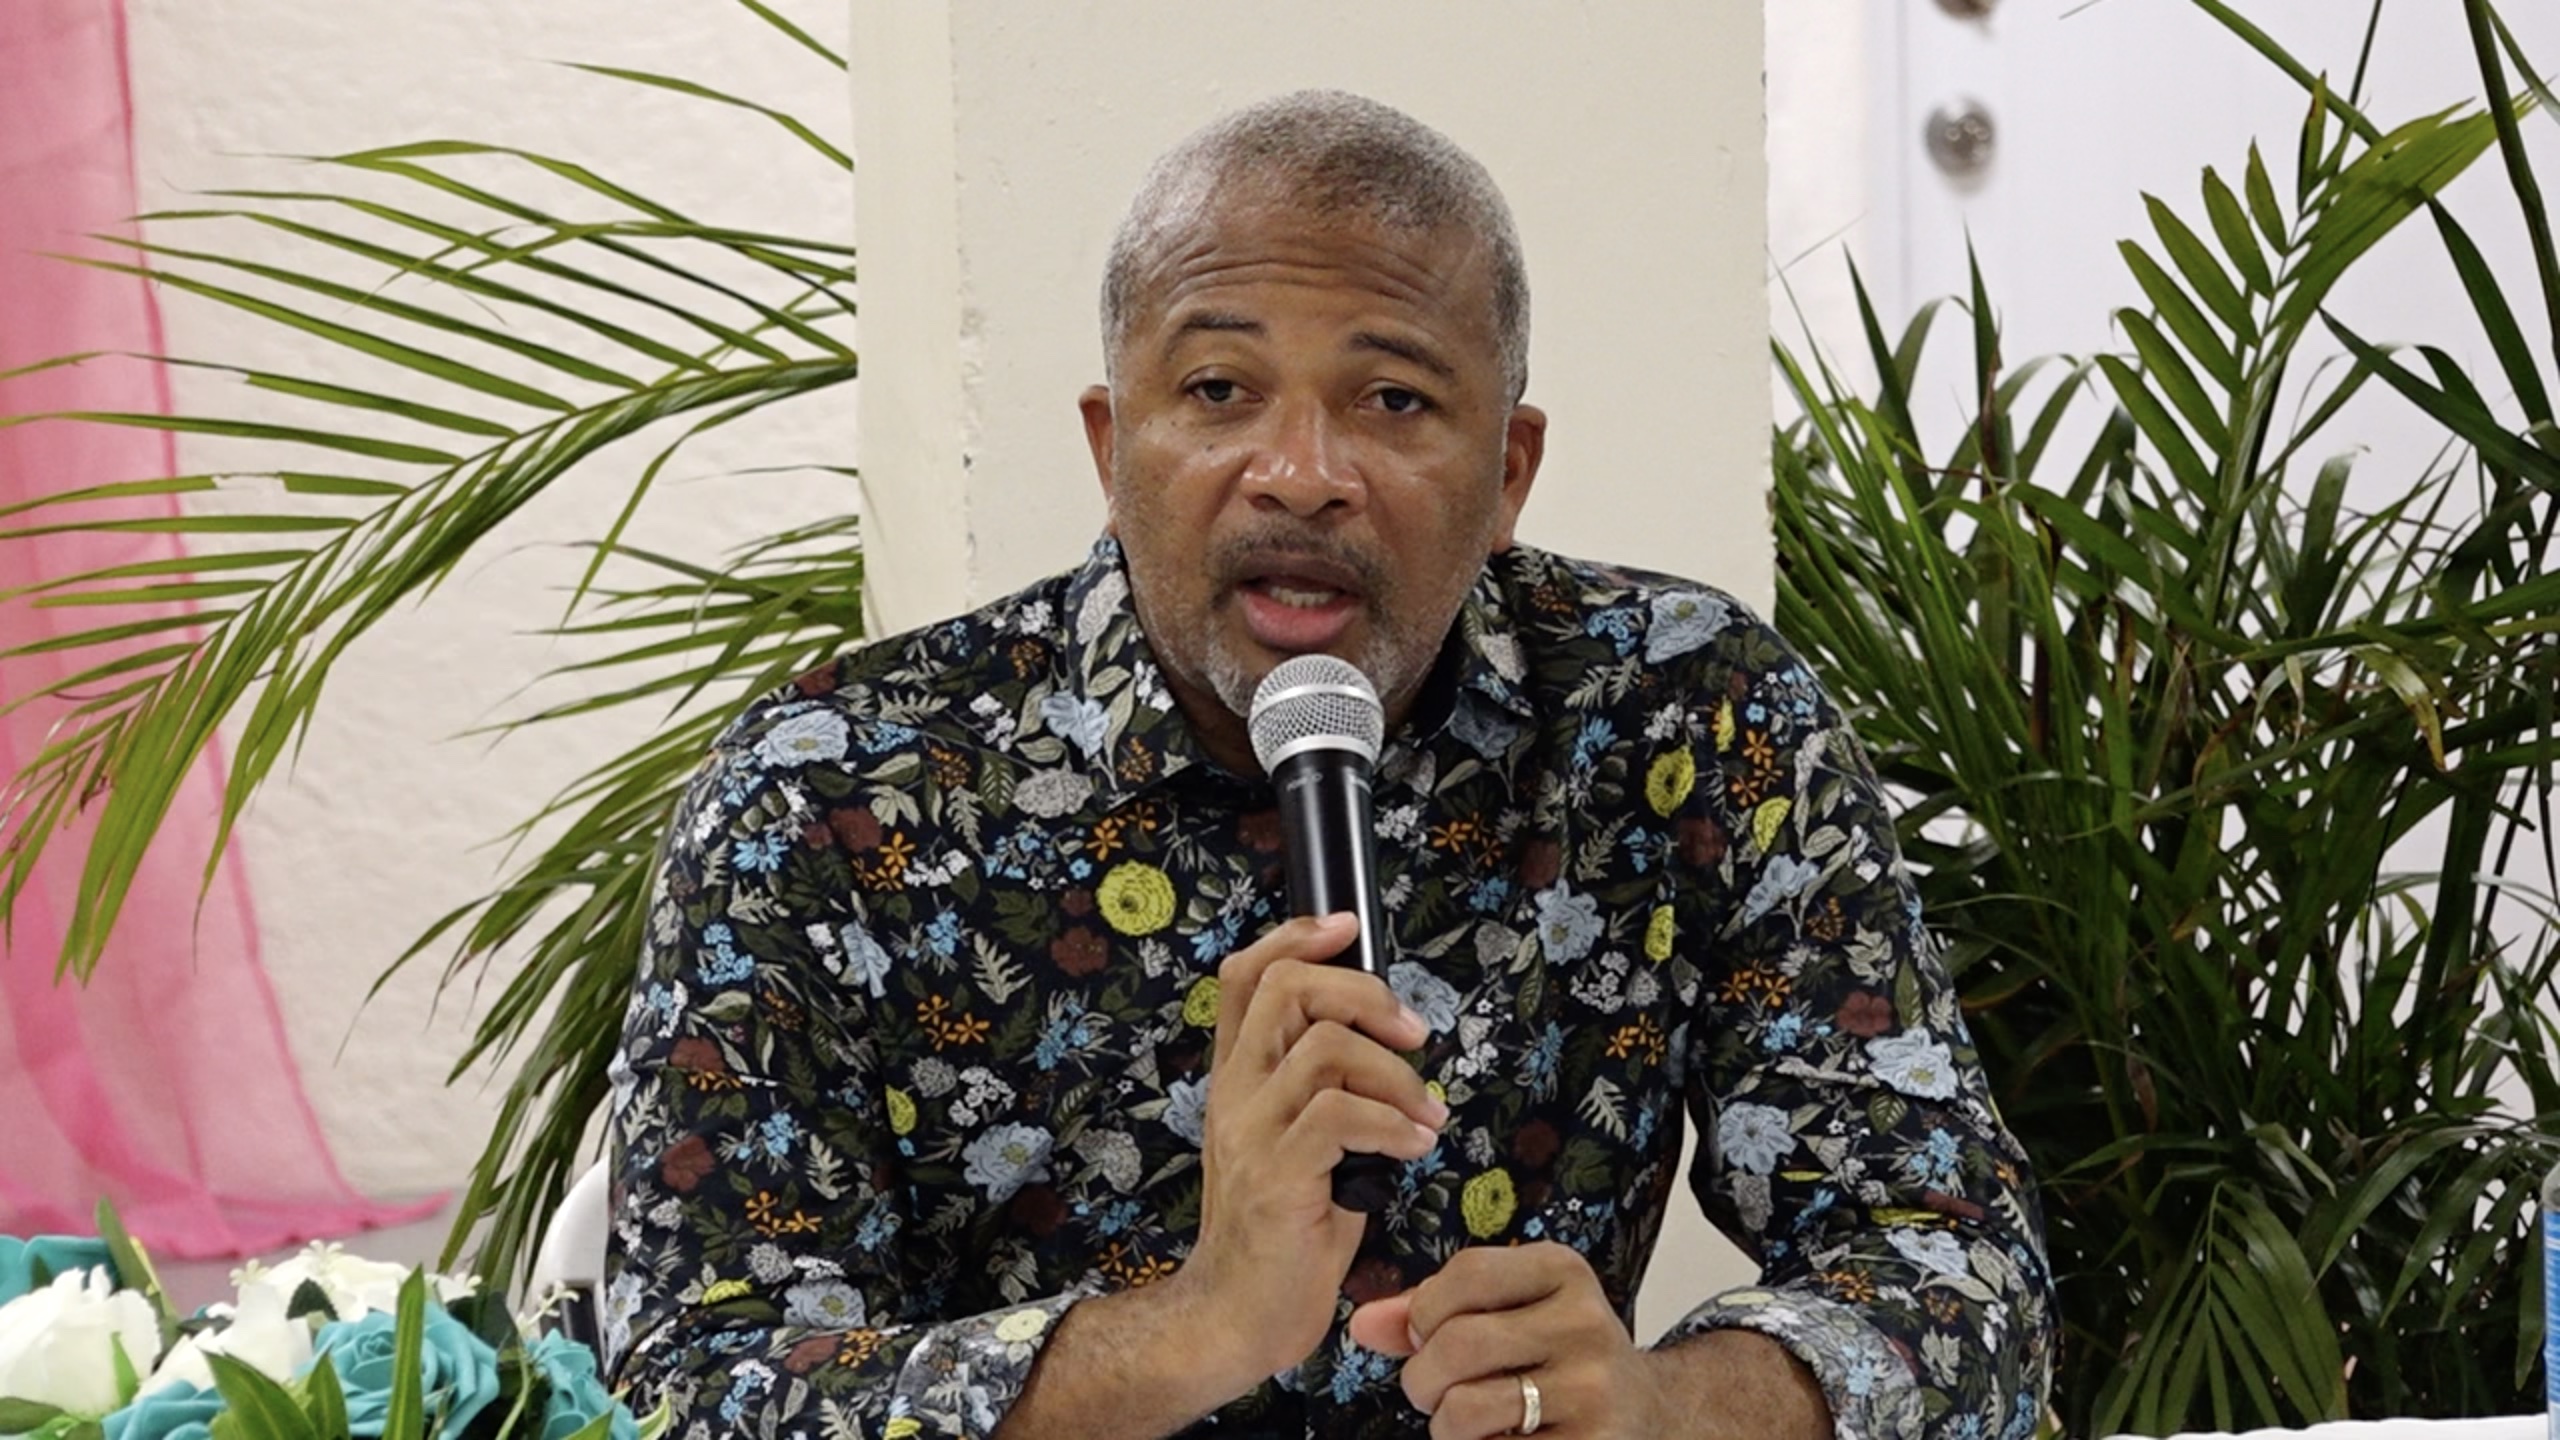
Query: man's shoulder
(942,682)
(1571,614)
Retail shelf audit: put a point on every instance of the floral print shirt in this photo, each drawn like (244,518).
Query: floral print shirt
(917,1055)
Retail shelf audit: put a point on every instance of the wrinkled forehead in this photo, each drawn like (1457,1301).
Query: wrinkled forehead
(1443,274)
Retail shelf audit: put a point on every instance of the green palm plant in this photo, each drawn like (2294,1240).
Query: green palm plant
(677,327)
(2213,779)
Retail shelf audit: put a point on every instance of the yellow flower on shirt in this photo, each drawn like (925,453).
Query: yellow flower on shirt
(902,1111)
(1657,935)
(1136,898)
(1487,1203)
(1022,1326)
(1200,1006)
(1669,781)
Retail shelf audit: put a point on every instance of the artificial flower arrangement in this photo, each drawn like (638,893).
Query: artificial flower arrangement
(325,1346)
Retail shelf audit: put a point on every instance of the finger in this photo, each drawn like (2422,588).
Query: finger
(1475,1347)
(1385,1326)
(1331,1057)
(1486,1278)
(1291,996)
(1337,1123)
(1316,937)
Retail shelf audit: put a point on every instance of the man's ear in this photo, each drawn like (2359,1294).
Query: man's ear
(1524,444)
(1095,405)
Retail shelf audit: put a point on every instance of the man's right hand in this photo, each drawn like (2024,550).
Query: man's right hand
(1305,1072)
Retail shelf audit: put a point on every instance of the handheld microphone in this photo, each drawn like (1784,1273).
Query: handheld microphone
(1317,725)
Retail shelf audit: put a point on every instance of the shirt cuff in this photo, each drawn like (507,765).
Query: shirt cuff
(1870,1386)
(963,1375)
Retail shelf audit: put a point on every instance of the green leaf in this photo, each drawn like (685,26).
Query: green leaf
(406,1418)
(21,1416)
(263,1408)
(2263,205)
(133,1266)
(2211,283)
(2231,227)
(327,1398)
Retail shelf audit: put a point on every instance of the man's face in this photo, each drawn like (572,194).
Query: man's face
(1308,447)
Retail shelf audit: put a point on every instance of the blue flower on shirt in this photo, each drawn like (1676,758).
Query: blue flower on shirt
(1914,1064)
(1186,1111)
(1782,879)
(1080,720)
(1008,1157)
(1754,1137)
(1567,923)
(1683,620)
(812,737)
(1434,999)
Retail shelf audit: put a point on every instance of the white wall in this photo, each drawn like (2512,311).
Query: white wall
(1006,139)
(382,825)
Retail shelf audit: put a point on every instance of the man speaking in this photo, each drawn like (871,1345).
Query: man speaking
(978,1080)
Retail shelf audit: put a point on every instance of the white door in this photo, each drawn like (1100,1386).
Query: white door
(2057,116)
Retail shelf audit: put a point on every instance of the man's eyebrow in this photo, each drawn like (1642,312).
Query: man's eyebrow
(1413,350)
(1211,322)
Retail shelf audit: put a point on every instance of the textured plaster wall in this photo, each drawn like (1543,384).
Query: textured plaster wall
(381,826)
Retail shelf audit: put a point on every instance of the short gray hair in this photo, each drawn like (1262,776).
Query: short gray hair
(1337,156)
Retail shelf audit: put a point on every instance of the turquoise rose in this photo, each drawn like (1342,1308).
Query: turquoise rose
(176,1411)
(461,1371)
(576,1396)
(58,1254)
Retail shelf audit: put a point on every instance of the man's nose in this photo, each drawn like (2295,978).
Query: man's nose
(1304,464)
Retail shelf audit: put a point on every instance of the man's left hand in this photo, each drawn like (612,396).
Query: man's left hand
(1493,1315)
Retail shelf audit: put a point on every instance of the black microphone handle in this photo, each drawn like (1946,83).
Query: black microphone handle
(1331,835)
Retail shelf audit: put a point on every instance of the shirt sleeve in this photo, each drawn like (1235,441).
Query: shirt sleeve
(757,1280)
(1847,1137)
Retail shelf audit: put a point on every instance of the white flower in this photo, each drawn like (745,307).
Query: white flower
(1914,1064)
(256,1332)
(58,1344)
(1683,620)
(1187,1114)
(1935,1251)
(825,1305)
(1008,1157)
(1052,793)
(1754,1137)
(1567,923)
(808,739)
(1113,1153)
(769,1263)
(933,1078)
(1434,999)
(355,1286)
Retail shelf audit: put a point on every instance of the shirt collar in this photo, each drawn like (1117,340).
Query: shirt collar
(1113,710)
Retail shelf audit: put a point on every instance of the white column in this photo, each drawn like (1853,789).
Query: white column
(999,141)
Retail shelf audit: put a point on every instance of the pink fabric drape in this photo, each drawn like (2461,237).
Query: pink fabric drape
(166,1082)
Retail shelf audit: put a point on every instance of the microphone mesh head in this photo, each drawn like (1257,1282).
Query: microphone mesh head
(1315,702)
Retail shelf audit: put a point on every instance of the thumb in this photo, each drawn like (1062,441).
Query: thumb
(1385,1326)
